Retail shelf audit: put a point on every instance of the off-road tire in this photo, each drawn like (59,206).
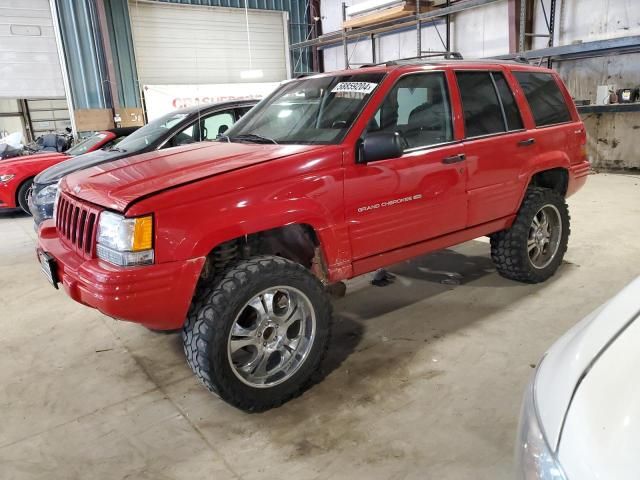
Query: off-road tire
(213,312)
(23,196)
(509,247)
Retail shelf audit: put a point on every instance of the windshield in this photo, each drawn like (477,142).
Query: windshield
(151,132)
(308,111)
(87,144)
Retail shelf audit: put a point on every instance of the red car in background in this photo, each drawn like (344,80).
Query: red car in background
(17,173)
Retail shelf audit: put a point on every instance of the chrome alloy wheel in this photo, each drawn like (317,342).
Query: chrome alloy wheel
(545,233)
(271,337)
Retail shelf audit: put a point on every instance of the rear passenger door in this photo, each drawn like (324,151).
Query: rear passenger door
(496,144)
(556,131)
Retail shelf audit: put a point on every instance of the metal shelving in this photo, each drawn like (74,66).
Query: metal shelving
(372,32)
(612,108)
(597,48)
(551,53)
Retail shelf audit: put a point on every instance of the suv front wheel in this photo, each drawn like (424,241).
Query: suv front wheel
(260,333)
(533,248)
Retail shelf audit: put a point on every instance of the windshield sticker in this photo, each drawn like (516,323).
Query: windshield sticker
(354,87)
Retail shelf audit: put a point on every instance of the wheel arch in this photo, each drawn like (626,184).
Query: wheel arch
(556,179)
(300,242)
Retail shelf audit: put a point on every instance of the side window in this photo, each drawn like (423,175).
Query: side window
(511,112)
(183,137)
(113,142)
(545,98)
(482,110)
(216,124)
(241,111)
(418,108)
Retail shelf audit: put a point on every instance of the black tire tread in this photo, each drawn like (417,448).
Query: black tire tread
(21,196)
(510,259)
(210,303)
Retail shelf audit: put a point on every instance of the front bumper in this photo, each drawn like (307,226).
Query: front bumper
(156,296)
(7,195)
(535,459)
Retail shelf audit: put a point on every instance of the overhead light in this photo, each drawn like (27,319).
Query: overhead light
(251,74)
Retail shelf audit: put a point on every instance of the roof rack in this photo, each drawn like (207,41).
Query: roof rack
(426,57)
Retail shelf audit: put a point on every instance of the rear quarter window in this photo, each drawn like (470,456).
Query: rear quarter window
(545,98)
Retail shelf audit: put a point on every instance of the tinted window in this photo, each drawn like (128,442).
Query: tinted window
(85,145)
(241,111)
(482,111)
(418,108)
(511,112)
(544,97)
(184,137)
(151,132)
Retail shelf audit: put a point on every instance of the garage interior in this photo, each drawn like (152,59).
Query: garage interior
(424,378)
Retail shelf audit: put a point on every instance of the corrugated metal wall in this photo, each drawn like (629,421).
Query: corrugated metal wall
(299,22)
(84,54)
(28,51)
(86,59)
(124,62)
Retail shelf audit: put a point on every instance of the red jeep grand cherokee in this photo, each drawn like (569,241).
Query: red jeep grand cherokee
(330,177)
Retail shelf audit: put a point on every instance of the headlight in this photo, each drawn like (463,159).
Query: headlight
(47,195)
(534,458)
(125,241)
(6,178)
(55,202)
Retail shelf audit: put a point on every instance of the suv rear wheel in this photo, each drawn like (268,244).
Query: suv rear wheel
(533,248)
(259,335)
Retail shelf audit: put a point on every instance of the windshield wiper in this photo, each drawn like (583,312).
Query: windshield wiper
(253,137)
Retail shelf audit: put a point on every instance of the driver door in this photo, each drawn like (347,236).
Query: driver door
(421,195)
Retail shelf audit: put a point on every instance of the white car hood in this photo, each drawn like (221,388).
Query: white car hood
(569,366)
(601,433)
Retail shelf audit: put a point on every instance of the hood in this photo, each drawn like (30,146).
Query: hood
(35,158)
(601,434)
(572,357)
(117,184)
(86,160)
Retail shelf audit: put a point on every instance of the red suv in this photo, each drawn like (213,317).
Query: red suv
(330,177)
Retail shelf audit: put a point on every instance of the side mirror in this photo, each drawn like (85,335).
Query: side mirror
(380,146)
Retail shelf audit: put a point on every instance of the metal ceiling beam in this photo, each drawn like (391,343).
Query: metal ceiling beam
(335,38)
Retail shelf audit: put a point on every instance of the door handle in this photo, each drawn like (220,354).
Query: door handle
(527,142)
(454,159)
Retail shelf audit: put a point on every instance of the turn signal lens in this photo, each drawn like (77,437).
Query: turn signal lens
(143,234)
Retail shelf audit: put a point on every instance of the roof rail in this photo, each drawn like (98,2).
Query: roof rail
(427,56)
(305,74)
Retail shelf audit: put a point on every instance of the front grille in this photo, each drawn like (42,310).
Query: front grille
(77,224)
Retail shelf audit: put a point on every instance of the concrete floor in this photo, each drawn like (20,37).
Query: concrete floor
(424,378)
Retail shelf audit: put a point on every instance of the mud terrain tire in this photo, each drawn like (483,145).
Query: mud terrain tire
(228,308)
